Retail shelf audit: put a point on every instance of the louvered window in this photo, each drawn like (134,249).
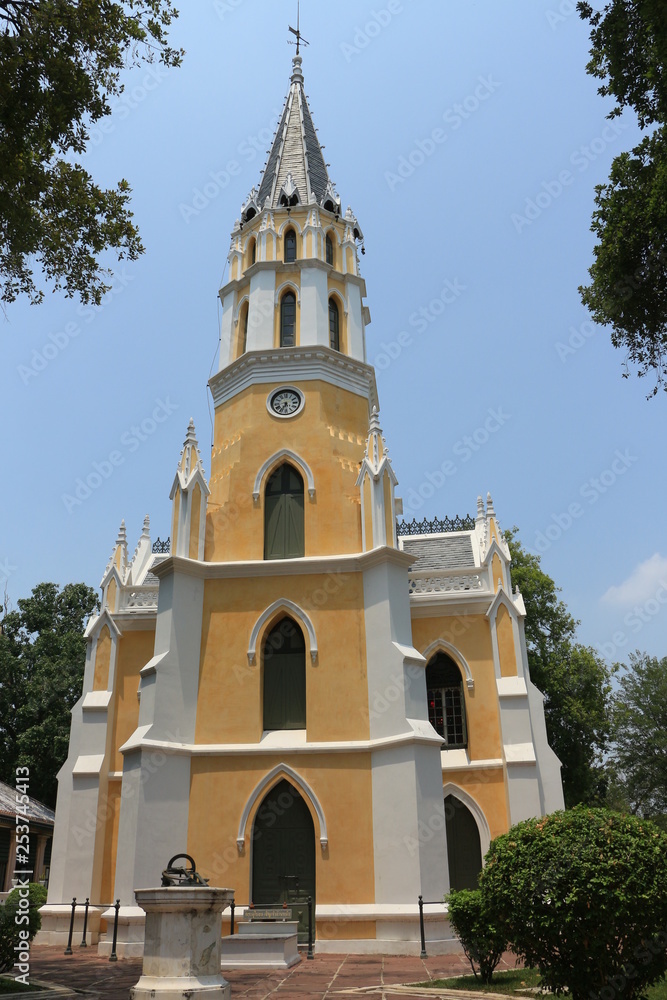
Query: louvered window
(290,246)
(288,320)
(283,515)
(284,668)
(334,326)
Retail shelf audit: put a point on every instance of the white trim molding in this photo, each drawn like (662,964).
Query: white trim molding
(282,604)
(446,647)
(281,770)
(482,826)
(273,460)
(281,290)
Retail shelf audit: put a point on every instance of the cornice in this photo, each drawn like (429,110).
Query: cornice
(295,364)
(280,267)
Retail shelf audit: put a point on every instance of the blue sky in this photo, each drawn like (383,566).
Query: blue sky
(468,140)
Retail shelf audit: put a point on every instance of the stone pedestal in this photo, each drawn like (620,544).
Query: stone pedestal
(182,943)
(262,944)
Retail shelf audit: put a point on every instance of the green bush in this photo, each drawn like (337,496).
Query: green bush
(481,938)
(582,895)
(10,928)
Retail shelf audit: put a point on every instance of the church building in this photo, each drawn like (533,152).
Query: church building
(307,695)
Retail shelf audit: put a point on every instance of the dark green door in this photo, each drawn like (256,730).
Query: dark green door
(463,847)
(283,853)
(283,515)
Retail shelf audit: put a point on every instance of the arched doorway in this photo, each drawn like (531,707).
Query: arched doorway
(464,851)
(283,853)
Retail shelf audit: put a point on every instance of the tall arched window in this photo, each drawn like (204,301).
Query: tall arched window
(243,341)
(288,320)
(283,515)
(290,245)
(329,250)
(251,253)
(334,326)
(446,703)
(464,852)
(284,667)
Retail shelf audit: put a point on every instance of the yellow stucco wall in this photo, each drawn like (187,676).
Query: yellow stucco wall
(230,692)
(220,788)
(195,515)
(487,787)
(329,434)
(111,807)
(506,652)
(102,660)
(135,649)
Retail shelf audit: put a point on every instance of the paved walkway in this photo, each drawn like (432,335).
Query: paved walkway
(334,977)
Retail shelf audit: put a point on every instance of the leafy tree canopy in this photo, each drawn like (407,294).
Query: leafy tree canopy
(573,678)
(639,737)
(42,655)
(60,63)
(582,895)
(628,290)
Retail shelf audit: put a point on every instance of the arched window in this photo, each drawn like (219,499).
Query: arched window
(334,326)
(329,250)
(251,253)
(288,320)
(243,343)
(446,703)
(284,667)
(290,245)
(283,515)
(464,852)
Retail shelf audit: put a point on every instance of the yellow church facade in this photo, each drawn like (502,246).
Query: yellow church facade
(307,696)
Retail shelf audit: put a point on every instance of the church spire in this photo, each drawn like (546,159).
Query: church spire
(295,172)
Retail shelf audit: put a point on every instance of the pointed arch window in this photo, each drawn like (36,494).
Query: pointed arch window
(284,667)
(251,253)
(283,514)
(290,246)
(288,320)
(334,326)
(446,702)
(244,329)
(329,250)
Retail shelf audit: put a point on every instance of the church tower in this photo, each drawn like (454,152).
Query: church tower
(308,699)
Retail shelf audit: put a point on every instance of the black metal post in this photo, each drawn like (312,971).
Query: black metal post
(113,957)
(232,907)
(68,949)
(421,927)
(310,928)
(84,943)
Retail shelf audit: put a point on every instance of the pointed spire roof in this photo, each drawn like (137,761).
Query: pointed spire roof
(190,466)
(295,172)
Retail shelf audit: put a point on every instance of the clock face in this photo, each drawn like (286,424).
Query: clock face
(285,402)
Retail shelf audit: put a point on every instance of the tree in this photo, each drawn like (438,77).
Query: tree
(628,289)
(582,895)
(60,63)
(42,655)
(574,680)
(639,736)
(482,940)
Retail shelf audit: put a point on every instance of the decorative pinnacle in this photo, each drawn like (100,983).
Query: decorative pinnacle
(480,507)
(122,535)
(147,527)
(490,512)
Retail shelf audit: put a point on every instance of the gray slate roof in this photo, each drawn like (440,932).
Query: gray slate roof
(36,812)
(296,150)
(440,552)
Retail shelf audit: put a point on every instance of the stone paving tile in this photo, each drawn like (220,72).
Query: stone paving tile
(326,977)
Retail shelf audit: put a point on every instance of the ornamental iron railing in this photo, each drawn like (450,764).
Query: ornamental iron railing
(160,547)
(436,526)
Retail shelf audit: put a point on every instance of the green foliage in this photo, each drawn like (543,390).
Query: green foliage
(629,274)
(14,918)
(582,895)
(483,941)
(42,655)
(639,741)
(60,63)
(574,679)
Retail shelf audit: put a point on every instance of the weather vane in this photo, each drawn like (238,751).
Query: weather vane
(300,40)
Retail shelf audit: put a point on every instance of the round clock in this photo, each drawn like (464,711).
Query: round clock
(285,402)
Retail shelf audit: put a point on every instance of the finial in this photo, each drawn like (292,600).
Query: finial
(299,37)
(147,527)
(490,512)
(122,534)
(480,507)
